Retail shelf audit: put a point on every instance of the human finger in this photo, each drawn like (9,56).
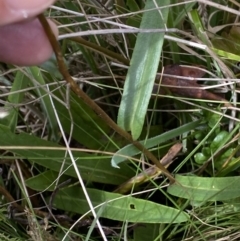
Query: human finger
(18,10)
(25,43)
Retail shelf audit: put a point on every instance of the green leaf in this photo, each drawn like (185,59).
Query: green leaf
(198,27)
(147,232)
(43,94)
(233,165)
(45,181)
(228,46)
(117,207)
(50,66)
(219,140)
(205,188)
(226,55)
(131,150)
(133,6)
(20,83)
(88,127)
(200,158)
(143,68)
(181,12)
(91,167)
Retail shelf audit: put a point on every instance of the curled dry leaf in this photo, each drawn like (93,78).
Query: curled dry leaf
(182,87)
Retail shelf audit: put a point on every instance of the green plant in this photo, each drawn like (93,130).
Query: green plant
(64,158)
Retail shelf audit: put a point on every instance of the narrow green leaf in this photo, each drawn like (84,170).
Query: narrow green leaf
(45,181)
(50,66)
(181,12)
(219,141)
(205,188)
(226,55)
(198,27)
(133,6)
(20,82)
(131,150)
(45,101)
(143,68)
(117,207)
(145,232)
(227,45)
(88,127)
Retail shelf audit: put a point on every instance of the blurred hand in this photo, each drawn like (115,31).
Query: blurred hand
(22,38)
